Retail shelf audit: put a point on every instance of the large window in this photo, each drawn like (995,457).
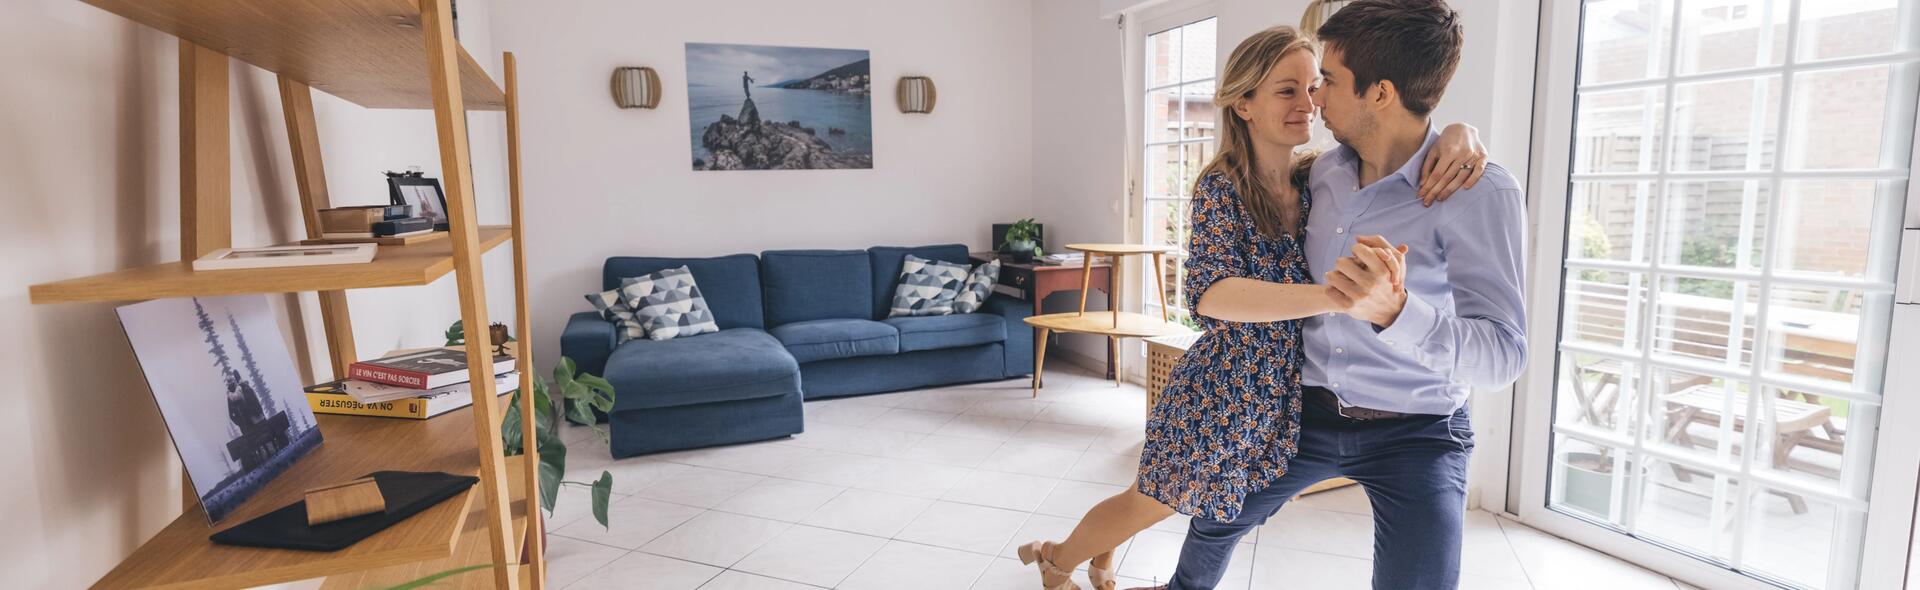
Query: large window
(1738,174)
(1179,137)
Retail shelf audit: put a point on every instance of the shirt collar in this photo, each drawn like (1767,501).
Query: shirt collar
(1349,160)
(1410,171)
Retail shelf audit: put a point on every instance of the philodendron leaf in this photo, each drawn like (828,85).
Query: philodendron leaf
(553,466)
(602,493)
(510,426)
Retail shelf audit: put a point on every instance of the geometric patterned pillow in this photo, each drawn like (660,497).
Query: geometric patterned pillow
(614,309)
(668,304)
(927,287)
(979,286)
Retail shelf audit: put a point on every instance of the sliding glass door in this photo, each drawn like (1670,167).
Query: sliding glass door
(1724,207)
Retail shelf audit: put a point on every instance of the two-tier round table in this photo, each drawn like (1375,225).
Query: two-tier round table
(1114,324)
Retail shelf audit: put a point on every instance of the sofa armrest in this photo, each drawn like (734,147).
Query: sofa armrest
(588,340)
(1019,343)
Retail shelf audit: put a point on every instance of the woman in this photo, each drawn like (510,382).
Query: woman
(1228,420)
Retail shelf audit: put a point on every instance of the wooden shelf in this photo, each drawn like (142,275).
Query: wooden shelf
(372,53)
(180,556)
(471,549)
(393,266)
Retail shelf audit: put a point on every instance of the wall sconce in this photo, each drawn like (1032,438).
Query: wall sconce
(915,94)
(636,88)
(1317,14)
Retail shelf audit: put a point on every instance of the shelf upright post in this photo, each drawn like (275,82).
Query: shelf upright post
(296,100)
(449,114)
(530,448)
(206,172)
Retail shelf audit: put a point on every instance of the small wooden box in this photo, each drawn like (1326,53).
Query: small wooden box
(344,500)
(1162,354)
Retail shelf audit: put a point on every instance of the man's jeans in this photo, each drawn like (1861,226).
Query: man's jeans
(1414,471)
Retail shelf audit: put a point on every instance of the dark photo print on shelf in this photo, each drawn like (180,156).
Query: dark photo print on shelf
(226,387)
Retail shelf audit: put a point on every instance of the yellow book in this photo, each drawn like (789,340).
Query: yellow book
(340,403)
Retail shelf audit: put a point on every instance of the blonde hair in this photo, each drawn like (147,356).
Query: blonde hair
(1317,13)
(1246,67)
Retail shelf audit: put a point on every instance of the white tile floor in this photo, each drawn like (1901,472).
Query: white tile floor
(933,489)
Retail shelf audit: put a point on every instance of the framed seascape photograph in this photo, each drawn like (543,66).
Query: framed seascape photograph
(277,256)
(227,389)
(764,107)
(423,194)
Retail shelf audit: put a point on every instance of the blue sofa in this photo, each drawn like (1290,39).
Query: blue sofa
(794,325)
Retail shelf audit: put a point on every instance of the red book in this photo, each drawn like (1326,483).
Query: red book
(428,369)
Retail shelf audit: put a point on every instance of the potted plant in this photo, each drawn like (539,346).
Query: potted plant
(1586,481)
(582,394)
(1022,240)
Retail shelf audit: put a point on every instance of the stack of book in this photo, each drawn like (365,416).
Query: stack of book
(416,385)
(1064,258)
(377,221)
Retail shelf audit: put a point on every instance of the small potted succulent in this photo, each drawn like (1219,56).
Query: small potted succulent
(1023,240)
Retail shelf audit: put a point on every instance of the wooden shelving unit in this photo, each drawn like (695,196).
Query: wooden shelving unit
(378,54)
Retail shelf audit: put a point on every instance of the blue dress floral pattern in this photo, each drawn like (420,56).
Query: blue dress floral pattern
(1228,421)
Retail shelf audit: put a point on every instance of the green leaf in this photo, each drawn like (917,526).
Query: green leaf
(439,576)
(456,334)
(602,493)
(553,466)
(510,436)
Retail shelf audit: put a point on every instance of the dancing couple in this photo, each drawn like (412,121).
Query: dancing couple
(1350,303)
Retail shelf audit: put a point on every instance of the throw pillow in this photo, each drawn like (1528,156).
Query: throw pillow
(979,286)
(614,309)
(927,287)
(669,304)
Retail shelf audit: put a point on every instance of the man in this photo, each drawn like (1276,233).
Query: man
(1386,385)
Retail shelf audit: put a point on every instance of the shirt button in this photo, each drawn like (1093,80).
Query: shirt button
(1333,385)
(1339,350)
(1339,230)
(1389,343)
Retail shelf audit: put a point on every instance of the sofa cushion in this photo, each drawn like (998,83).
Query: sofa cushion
(613,308)
(730,284)
(820,340)
(927,287)
(669,304)
(948,331)
(804,285)
(887,261)
(741,363)
(979,285)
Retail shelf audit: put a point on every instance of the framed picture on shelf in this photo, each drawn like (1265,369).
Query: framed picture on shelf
(226,387)
(278,256)
(423,194)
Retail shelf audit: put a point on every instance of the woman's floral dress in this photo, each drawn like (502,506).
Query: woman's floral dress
(1229,419)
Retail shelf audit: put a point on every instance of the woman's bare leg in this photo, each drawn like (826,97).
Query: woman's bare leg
(1107,525)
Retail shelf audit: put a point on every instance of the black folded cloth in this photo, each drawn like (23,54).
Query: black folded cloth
(407,493)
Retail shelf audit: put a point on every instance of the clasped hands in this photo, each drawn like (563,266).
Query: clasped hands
(1371,283)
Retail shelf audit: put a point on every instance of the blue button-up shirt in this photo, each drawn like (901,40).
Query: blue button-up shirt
(1463,325)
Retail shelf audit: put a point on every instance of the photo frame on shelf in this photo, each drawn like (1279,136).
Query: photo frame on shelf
(280,256)
(422,193)
(227,390)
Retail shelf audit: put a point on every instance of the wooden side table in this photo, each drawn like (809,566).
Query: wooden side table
(1114,324)
(1037,281)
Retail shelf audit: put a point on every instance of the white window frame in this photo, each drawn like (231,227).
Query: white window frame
(1896,463)
(1137,25)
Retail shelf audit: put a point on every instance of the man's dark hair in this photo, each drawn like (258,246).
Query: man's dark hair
(1413,43)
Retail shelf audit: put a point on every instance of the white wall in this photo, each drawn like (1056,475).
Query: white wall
(602,181)
(1079,137)
(89,174)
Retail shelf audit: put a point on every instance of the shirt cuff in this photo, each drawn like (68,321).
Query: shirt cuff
(1416,321)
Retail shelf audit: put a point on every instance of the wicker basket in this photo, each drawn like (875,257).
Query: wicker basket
(1162,354)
